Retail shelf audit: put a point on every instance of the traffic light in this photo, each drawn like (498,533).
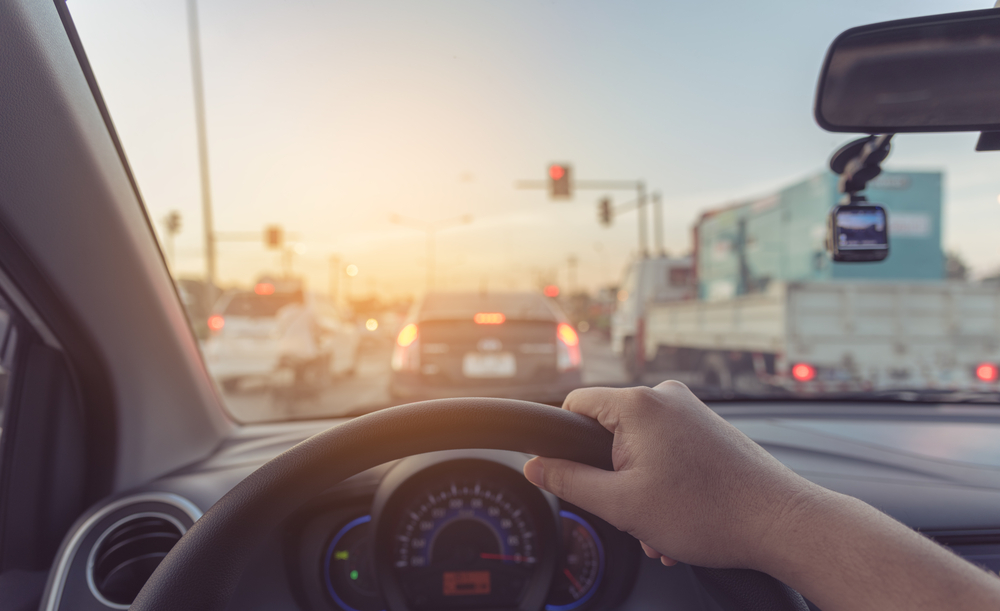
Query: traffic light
(173,222)
(560,181)
(274,236)
(605,214)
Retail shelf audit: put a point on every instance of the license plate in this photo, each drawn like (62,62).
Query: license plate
(489,365)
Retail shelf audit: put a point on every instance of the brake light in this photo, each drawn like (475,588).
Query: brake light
(264,288)
(489,318)
(407,335)
(567,348)
(216,322)
(987,372)
(567,334)
(406,354)
(803,372)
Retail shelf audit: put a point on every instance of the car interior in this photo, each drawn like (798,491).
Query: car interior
(125,482)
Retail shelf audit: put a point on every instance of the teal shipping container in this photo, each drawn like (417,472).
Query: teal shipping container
(742,248)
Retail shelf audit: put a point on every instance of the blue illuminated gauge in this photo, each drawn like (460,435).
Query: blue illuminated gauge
(348,568)
(581,567)
(466,543)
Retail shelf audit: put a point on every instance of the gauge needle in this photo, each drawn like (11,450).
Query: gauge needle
(576,584)
(515,558)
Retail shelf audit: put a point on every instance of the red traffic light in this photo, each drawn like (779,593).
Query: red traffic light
(551,291)
(560,181)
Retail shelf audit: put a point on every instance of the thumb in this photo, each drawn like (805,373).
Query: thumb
(589,488)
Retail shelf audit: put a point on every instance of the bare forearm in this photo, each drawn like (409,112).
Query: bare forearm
(843,554)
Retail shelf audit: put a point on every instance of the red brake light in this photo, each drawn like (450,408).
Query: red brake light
(567,334)
(216,322)
(489,318)
(803,372)
(264,288)
(407,335)
(987,372)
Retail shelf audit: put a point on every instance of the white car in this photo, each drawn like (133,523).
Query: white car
(269,335)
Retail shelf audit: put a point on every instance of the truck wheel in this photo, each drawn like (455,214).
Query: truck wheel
(630,356)
(718,377)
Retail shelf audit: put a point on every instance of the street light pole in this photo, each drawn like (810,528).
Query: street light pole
(199,117)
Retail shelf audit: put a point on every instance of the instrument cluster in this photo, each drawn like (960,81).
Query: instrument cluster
(464,530)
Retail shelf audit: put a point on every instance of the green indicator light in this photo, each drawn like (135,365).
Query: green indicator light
(354,575)
(340,554)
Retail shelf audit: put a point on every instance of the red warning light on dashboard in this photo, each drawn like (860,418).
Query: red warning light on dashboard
(466,583)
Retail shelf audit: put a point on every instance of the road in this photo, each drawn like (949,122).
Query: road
(368,388)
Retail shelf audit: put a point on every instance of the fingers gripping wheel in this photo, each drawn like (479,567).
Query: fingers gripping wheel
(202,570)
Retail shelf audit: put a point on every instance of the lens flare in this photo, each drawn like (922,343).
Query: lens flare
(407,335)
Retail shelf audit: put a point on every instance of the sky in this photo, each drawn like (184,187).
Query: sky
(328,117)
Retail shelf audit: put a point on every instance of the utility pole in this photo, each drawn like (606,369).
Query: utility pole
(658,224)
(199,117)
(431,229)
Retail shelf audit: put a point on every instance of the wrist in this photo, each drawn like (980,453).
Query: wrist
(790,533)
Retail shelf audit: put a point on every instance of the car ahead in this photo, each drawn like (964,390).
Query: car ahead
(515,344)
(278,331)
(115,444)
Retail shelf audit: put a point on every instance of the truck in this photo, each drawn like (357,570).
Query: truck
(768,309)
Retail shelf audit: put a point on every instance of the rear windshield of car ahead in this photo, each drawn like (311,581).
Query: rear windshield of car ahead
(259,306)
(464,306)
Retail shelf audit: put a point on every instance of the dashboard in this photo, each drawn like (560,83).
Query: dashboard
(459,530)
(465,530)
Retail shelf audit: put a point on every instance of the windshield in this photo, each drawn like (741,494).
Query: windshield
(366,204)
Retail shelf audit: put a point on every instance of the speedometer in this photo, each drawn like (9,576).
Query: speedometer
(468,537)
(463,539)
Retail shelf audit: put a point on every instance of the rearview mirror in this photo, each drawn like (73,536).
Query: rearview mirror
(930,74)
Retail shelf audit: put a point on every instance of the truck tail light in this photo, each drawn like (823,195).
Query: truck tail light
(406,354)
(567,348)
(803,372)
(987,372)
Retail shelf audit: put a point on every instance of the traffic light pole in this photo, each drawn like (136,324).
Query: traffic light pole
(606,185)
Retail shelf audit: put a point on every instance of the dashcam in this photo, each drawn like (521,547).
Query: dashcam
(858,233)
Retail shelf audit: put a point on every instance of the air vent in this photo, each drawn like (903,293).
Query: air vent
(127,554)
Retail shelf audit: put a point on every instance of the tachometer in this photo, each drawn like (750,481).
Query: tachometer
(579,573)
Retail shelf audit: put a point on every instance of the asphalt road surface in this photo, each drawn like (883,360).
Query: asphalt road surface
(368,388)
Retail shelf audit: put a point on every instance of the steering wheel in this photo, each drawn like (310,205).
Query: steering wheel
(201,572)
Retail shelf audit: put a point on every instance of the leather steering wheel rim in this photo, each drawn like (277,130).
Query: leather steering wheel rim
(203,569)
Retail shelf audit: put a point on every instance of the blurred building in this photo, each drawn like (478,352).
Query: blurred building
(742,248)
